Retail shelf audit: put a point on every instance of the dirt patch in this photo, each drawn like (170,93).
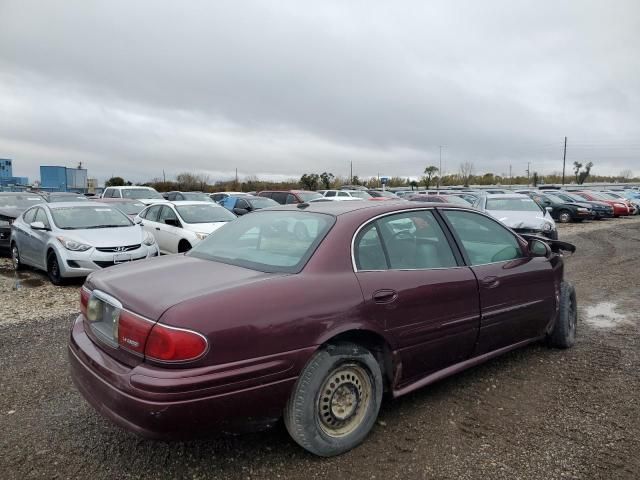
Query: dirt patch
(536,413)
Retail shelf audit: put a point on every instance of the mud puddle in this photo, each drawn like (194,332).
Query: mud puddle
(21,279)
(604,315)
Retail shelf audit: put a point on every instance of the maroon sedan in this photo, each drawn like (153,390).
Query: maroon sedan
(311,312)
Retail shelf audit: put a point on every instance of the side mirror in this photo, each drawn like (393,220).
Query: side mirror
(240,211)
(538,248)
(137,220)
(549,209)
(38,226)
(172,221)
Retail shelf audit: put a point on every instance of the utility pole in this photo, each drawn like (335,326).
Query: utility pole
(528,172)
(164,177)
(351,172)
(236,184)
(440,168)
(564,159)
(510,178)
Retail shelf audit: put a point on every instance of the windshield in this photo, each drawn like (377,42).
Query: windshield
(67,198)
(19,201)
(130,208)
(262,202)
(512,204)
(270,241)
(613,196)
(555,198)
(140,193)
(359,194)
(78,218)
(308,196)
(197,196)
(204,213)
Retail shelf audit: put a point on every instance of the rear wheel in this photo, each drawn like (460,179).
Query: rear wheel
(53,269)
(563,334)
(336,400)
(15,258)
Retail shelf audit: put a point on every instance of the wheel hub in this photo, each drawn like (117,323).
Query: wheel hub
(343,400)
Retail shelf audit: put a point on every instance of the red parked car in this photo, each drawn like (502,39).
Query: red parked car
(620,209)
(311,312)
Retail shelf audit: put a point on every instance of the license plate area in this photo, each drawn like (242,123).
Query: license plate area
(121,257)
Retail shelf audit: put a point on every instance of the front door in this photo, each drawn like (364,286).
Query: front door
(416,287)
(517,292)
(168,235)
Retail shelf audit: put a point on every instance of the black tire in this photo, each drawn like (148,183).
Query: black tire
(53,269)
(563,334)
(15,258)
(336,400)
(564,216)
(184,246)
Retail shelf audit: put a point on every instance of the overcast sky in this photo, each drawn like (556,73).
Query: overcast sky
(278,88)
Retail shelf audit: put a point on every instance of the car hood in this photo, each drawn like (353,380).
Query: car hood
(518,219)
(150,287)
(106,237)
(10,213)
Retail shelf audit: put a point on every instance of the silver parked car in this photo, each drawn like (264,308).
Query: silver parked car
(518,212)
(72,239)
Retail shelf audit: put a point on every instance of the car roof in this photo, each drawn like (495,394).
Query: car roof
(177,203)
(57,205)
(127,187)
(341,208)
(506,195)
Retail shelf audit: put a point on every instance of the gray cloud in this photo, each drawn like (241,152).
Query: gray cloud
(280,88)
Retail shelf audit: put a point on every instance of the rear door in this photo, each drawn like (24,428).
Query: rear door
(22,235)
(517,291)
(39,238)
(416,286)
(150,222)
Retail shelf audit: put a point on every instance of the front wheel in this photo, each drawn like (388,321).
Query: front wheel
(564,217)
(53,269)
(563,334)
(15,258)
(336,400)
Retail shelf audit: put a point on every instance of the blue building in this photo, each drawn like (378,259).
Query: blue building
(6,170)
(63,179)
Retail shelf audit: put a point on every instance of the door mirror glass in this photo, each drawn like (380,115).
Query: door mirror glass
(240,211)
(538,248)
(172,221)
(37,226)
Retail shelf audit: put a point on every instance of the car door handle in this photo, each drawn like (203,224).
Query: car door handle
(385,296)
(490,282)
(158,228)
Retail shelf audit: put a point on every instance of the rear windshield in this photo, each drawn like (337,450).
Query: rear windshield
(268,241)
(130,208)
(308,196)
(67,198)
(204,213)
(19,201)
(77,218)
(359,194)
(512,204)
(140,193)
(263,202)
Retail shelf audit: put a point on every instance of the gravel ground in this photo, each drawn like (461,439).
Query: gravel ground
(532,414)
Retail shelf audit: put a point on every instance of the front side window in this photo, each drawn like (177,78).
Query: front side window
(41,216)
(343,194)
(167,213)
(330,193)
(484,240)
(270,241)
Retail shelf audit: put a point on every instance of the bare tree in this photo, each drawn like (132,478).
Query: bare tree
(466,172)
(626,174)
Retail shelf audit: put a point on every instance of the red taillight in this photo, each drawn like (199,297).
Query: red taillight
(84,300)
(133,331)
(167,344)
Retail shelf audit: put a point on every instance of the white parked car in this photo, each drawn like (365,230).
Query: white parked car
(340,195)
(146,195)
(519,212)
(178,226)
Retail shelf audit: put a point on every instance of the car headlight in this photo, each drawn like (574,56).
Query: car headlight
(149,239)
(73,245)
(547,227)
(202,236)
(580,209)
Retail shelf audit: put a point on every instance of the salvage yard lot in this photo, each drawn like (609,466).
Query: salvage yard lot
(534,413)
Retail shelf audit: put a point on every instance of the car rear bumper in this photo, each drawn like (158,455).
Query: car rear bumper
(165,411)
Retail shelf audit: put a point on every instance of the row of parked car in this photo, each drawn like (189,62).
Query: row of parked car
(68,235)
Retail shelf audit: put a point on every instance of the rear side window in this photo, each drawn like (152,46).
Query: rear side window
(280,197)
(330,194)
(152,213)
(405,241)
(484,240)
(291,199)
(29,215)
(343,194)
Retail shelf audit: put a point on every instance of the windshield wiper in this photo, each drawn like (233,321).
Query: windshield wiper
(104,226)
